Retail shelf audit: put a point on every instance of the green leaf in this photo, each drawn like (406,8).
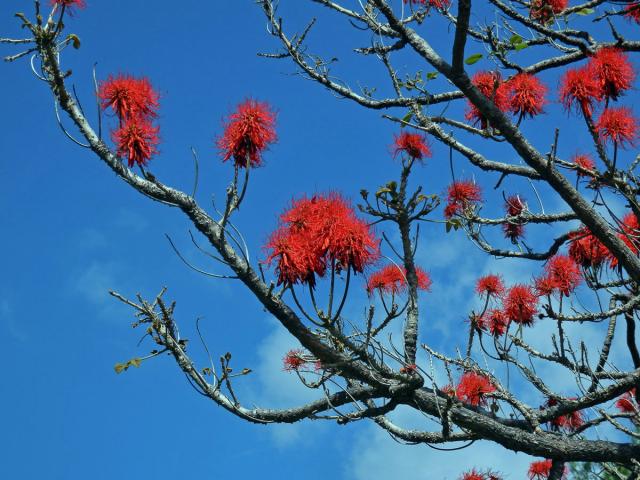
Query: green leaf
(585,11)
(74,38)
(520,46)
(516,39)
(135,362)
(407,118)
(473,58)
(120,367)
(432,75)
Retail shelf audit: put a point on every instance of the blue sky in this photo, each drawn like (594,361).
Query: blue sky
(72,232)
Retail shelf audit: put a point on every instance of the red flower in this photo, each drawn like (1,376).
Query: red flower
(545,10)
(630,235)
(411,368)
(491,86)
(617,125)
(586,249)
(69,5)
(562,274)
(543,286)
(569,421)
(490,285)
(632,12)
(626,403)
(413,144)
(473,475)
(136,140)
(318,232)
(585,162)
(526,95)
(460,195)
(514,207)
(473,387)
(294,360)
(579,89)
(520,304)
(128,97)
(496,322)
(613,70)
(539,470)
(441,4)
(392,279)
(247,133)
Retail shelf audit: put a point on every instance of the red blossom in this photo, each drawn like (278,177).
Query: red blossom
(473,387)
(586,250)
(526,95)
(473,475)
(613,70)
(539,470)
(579,90)
(411,368)
(247,133)
(545,10)
(294,360)
(490,285)
(514,230)
(562,275)
(520,304)
(632,12)
(630,235)
(129,97)
(569,422)
(69,5)
(413,144)
(496,322)
(490,85)
(543,286)
(618,126)
(316,233)
(441,4)
(392,279)
(584,162)
(626,403)
(460,195)
(136,140)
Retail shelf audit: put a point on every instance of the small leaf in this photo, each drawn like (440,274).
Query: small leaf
(136,362)
(432,75)
(515,39)
(473,58)
(521,46)
(585,11)
(120,367)
(74,38)
(407,118)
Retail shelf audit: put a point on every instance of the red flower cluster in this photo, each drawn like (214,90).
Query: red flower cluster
(568,422)
(613,71)
(583,161)
(626,403)
(632,12)
(562,276)
(618,126)
(293,360)
(526,95)
(630,235)
(490,285)
(247,133)
(539,470)
(474,474)
(579,89)
(392,279)
(520,304)
(473,388)
(460,195)
(442,4)
(490,85)
(514,207)
(586,249)
(135,103)
(69,5)
(495,321)
(545,10)
(318,232)
(413,144)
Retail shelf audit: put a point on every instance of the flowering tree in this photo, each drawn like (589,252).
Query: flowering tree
(323,250)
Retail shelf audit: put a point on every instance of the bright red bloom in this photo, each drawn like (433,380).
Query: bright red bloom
(392,279)
(490,85)
(545,10)
(543,286)
(316,233)
(626,403)
(583,161)
(632,12)
(514,207)
(496,322)
(473,475)
(442,4)
(247,133)
(562,274)
(520,304)
(490,285)
(129,97)
(473,387)
(294,360)
(526,95)
(613,70)
(460,195)
(413,144)
(586,249)
(137,141)
(69,5)
(568,422)
(630,235)
(617,125)
(580,89)
(539,470)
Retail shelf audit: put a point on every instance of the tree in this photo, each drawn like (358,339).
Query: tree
(322,249)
